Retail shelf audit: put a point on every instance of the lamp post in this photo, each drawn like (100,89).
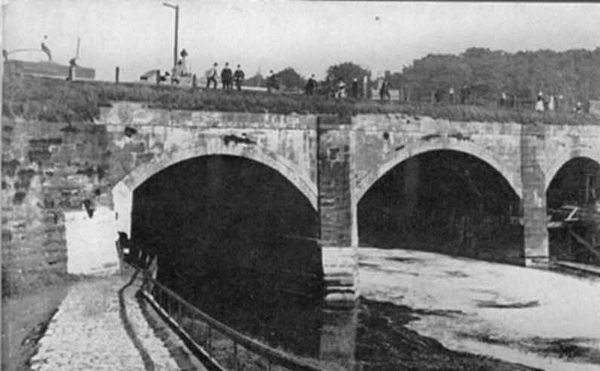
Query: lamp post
(176,7)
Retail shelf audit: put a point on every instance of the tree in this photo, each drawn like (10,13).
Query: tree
(289,78)
(574,74)
(347,71)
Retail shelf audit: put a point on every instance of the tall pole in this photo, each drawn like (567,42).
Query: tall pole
(176,35)
(176,7)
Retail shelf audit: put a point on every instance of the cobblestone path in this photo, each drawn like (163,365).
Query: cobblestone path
(88,333)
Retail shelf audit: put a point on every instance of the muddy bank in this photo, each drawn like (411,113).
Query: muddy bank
(25,318)
(385,343)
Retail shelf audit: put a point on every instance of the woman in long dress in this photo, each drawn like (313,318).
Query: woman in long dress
(539,105)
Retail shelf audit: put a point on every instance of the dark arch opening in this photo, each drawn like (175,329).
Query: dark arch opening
(444,201)
(576,184)
(238,240)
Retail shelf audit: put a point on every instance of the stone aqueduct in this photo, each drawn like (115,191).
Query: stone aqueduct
(331,160)
(334,161)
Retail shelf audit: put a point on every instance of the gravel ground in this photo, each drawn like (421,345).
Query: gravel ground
(88,332)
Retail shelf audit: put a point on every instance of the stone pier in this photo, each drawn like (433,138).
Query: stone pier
(534,196)
(339,254)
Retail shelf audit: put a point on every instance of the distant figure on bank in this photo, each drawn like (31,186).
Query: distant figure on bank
(551,103)
(451,95)
(465,92)
(341,89)
(311,85)
(578,107)
(45,48)
(183,63)
(539,104)
(355,89)
(272,82)
(72,67)
(384,91)
(211,76)
(177,72)
(503,99)
(227,77)
(437,96)
(238,77)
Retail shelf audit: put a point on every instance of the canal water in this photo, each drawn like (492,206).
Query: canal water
(422,310)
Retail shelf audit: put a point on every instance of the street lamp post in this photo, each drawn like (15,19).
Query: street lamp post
(176,7)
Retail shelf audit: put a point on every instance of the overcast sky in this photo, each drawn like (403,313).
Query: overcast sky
(137,35)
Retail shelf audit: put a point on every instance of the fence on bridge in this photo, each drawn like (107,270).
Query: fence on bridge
(219,346)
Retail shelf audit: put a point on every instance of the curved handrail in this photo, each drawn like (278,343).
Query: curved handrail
(274,356)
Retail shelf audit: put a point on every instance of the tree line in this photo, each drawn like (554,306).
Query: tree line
(573,75)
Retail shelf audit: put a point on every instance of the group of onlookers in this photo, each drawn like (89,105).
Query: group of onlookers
(340,90)
(550,103)
(545,103)
(228,78)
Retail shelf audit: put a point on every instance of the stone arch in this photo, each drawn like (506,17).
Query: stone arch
(512,177)
(123,191)
(562,158)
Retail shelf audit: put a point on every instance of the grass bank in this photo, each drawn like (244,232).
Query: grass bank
(61,101)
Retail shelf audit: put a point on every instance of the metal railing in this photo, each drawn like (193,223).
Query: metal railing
(219,346)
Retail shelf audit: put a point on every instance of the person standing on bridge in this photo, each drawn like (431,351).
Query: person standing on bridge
(355,88)
(272,82)
(539,104)
(72,69)
(384,91)
(177,73)
(238,77)
(183,63)
(211,76)
(311,85)
(227,77)
(45,48)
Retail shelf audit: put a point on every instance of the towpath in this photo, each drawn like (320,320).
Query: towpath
(100,326)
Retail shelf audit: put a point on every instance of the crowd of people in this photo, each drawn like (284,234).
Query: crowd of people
(227,76)
(339,89)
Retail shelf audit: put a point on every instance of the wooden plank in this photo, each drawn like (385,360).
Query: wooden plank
(586,244)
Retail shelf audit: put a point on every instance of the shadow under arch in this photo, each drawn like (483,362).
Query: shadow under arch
(444,201)
(123,191)
(575,183)
(363,185)
(225,233)
(559,161)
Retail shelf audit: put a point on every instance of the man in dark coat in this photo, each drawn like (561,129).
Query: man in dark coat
(272,82)
(355,88)
(238,77)
(227,77)
(311,85)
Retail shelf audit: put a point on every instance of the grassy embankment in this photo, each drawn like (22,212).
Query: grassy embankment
(60,101)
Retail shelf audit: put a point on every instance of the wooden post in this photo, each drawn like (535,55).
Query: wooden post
(157,77)
(116,75)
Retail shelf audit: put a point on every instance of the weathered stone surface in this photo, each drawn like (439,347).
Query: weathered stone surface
(52,169)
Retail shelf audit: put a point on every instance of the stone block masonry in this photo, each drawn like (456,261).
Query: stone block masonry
(50,170)
(67,187)
(335,210)
(534,196)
